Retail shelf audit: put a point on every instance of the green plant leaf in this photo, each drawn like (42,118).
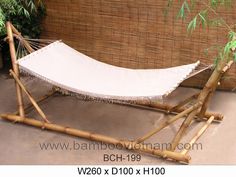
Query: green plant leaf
(183,9)
(229,46)
(203,17)
(231,35)
(192,25)
(234,57)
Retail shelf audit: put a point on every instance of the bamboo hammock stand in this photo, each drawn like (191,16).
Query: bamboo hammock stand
(197,110)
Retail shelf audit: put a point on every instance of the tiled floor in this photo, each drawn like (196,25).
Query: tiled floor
(20,144)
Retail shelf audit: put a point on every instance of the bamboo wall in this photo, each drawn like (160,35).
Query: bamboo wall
(133,33)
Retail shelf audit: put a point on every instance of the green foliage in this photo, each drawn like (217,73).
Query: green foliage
(26,15)
(207,17)
(184,8)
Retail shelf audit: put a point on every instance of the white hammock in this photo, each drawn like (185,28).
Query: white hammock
(69,69)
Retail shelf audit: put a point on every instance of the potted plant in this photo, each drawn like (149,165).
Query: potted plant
(26,15)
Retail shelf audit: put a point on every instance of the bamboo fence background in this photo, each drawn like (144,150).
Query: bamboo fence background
(134,34)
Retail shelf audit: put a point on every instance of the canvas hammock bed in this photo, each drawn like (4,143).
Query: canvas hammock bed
(68,69)
(84,75)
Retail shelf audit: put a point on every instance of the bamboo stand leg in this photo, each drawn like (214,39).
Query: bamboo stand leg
(210,85)
(166,123)
(15,68)
(182,129)
(97,137)
(198,135)
(167,107)
(29,96)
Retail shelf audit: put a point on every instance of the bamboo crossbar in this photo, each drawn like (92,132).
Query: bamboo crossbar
(198,135)
(168,122)
(167,107)
(97,137)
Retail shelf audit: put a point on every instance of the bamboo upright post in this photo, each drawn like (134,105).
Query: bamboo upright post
(15,68)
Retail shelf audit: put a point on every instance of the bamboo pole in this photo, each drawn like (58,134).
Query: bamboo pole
(167,107)
(97,137)
(209,87)
(184,102)
(29,96)
(168,122)
(183,129)
(15,68)
(25,43)
(228,66)
(29,106)
(205,104)
(198,135)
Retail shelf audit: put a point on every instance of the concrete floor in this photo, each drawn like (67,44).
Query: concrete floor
(20,143)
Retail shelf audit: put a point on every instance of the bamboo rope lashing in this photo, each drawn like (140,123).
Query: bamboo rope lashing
(198,135)
(15,68)
(36,44)
(97,137)
(18,50)
(30,44)
(27,46)
(30,97)
(167,107)
(44,97)
(168,122)
(23,51)
(41,40)
(184,102)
